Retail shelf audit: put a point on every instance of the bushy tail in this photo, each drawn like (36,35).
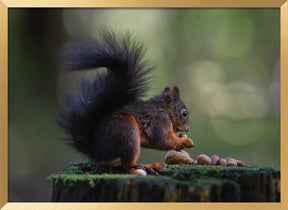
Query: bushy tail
(125,81)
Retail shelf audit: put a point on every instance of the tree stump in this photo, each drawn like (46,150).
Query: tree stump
(86,181)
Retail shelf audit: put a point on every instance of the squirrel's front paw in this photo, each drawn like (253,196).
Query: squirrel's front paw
(185,143)
(188,143)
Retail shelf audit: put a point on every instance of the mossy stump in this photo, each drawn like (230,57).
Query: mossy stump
(86,181)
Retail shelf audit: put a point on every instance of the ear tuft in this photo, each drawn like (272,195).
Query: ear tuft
(167,90)
(176,93)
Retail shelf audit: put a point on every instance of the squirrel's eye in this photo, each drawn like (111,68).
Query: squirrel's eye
(184,112)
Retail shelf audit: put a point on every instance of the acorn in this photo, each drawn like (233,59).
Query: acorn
(221,162)
(203,160)
(139,172)
(214,159)
(176,157)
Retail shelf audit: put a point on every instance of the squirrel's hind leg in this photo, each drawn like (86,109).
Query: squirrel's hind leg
(116,142)
(129,138)
(122,137)
(126,135)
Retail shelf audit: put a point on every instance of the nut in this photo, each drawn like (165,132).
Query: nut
(203,160)
(139,172)
(221,162)
(182,135)
(188,160)
(176,157)
(240,163)
(214,159)
(231,161)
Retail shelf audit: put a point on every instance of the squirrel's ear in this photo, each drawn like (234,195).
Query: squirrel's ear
(176,93)
(167,90)
(167,95)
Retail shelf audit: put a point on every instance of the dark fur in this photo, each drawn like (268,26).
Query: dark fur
(107,119)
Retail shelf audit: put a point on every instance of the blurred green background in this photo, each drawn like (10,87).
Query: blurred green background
(225,62)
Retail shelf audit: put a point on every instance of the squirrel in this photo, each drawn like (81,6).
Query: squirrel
(107,120)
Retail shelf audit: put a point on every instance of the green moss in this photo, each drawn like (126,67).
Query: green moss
(90,169)
(188,172)
(91,183)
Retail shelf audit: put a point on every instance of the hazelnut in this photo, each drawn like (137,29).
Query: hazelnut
(231,161)
(221,162)
(176,157)
(188,160)
(182,135)
(214,159)
(203,160)
(139,172)
(240,163)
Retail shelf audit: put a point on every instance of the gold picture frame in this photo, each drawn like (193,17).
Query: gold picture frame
(5,4)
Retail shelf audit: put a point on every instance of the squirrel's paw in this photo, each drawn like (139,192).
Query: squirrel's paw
(152,169)
(186,143)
